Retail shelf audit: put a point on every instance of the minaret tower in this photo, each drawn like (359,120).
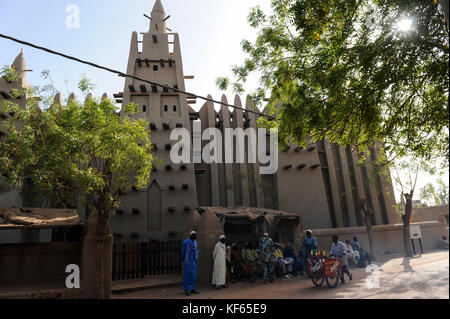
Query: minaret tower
(162,211)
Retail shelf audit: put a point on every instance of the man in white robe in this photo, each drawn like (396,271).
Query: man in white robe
(220,264)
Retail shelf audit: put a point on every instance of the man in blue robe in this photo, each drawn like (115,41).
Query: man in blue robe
(189,257)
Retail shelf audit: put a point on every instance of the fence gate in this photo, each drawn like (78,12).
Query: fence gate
(153,258)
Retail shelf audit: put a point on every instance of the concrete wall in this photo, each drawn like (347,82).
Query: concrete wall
(388,238)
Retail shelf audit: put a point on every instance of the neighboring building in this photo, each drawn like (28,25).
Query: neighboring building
(322,183)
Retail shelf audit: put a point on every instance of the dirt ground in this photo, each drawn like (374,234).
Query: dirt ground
(425,276)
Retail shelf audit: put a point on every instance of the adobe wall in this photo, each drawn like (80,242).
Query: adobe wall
(388,238)
(37,264)
(421,214)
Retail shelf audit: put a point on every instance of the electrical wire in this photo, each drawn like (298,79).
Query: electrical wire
(127,75)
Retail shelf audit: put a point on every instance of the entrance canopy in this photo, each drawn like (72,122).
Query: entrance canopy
(248,224)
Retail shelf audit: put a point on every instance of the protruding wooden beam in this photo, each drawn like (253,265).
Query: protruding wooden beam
(5,95)
(188,77)
(131,87)
(143,88)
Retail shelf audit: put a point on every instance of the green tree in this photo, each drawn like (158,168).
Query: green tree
(77,150)
(428,195)
(352,72)
(433,195)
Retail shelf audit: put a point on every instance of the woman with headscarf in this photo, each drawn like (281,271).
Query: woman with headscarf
(267,257)
(189,257)
(220,264)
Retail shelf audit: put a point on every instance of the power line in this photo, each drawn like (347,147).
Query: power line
(127,75)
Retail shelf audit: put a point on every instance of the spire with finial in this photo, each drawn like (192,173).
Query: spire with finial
(20,65)
(158,19)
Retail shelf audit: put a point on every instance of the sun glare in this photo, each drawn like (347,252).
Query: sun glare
(404,25)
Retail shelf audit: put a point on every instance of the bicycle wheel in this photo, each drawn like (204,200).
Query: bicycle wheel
(317,279)
(332,282)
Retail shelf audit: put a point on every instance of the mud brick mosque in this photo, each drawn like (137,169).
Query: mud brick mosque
(321,183)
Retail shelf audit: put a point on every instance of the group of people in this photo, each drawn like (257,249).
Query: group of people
(264,259)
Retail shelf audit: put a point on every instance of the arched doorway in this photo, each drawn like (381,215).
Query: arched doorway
(154,207)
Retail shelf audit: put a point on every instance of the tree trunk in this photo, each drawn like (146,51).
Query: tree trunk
(406,224)
(101,230)
(368,222)
(444,5)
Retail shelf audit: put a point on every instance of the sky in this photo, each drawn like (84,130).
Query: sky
(210,34)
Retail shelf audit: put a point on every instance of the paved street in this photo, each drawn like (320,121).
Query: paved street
(426,276)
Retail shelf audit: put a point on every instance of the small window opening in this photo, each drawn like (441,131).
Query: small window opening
(155,68)
(166,108)
(174,108)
